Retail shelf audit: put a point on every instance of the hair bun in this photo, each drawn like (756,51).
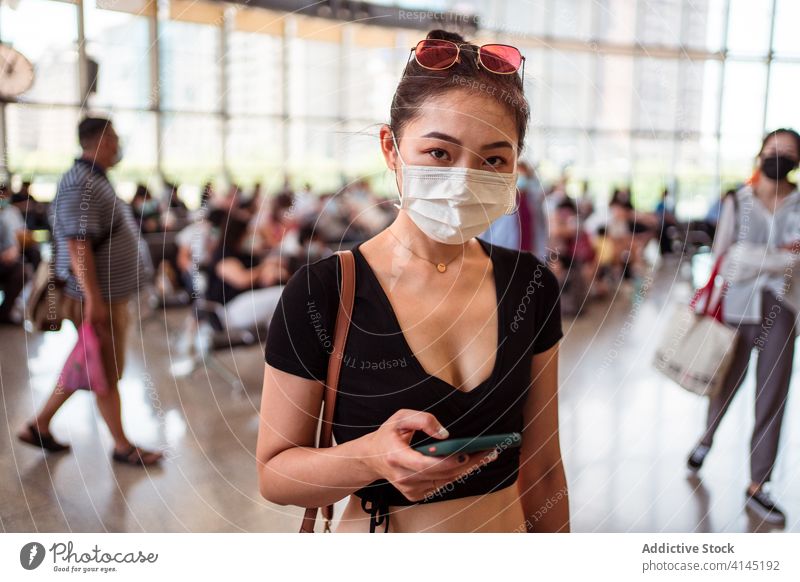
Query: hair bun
(440,34)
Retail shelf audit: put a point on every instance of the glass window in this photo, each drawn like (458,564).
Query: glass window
(120,45)
(743,98)
(313,154)
(314,78)
(190,66)
(47,34)
(784,87)
(609,164)
(655,103)
(254,149)
(571,89)
(613,100)
(737,157)
(374,67)
(703,24)
(659,22)
(137,133)
(696,169)
(616,20)
(749,23)
(255,78)
(698,96)
(361,153)
(521,17)
(191,147)
(42,140)
(652,170)
(570,19)
(786,40)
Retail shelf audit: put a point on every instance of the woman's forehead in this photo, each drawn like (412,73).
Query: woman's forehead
(782,141)
(473,119)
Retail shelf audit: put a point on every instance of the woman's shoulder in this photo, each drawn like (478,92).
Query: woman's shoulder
(520,265)
(318,280)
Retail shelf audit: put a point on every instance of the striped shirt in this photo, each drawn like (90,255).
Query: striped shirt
(87,208)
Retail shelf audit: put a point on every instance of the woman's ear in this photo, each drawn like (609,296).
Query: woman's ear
(387,147)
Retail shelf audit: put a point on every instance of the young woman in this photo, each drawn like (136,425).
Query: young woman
(759,229)
(450,336)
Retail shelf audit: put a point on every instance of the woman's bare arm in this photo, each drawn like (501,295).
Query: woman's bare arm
(542,481)
(290,469)
(234,273)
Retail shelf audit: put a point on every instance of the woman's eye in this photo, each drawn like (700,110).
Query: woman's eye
(495,161)
(439,155)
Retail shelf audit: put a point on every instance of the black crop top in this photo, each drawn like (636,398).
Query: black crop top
(381,375)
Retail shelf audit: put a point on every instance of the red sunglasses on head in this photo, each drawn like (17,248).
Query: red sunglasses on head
(437,55)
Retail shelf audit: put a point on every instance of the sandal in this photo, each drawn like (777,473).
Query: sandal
(134,456)
(37,439)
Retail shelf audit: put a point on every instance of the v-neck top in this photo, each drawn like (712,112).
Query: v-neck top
(381,375)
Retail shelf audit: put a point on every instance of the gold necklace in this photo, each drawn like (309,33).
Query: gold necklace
(441,267)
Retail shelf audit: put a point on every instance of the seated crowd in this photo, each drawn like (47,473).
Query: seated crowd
(238,249)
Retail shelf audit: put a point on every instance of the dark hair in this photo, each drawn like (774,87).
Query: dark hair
(90,128)
(781,130)
(230,239)
(419,84)
(141,192)
(281,202)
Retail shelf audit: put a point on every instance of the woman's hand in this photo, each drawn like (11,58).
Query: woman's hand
(415,475)
(272,272)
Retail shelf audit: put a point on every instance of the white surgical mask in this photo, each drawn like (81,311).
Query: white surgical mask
(452,205)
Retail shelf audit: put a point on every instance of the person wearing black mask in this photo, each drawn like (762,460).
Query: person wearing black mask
(759,234)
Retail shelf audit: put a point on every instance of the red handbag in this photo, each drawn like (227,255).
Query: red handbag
(343,316)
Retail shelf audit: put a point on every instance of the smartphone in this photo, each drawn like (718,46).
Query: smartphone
(471,444)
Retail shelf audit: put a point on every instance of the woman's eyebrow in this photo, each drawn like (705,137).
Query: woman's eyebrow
(443,137)
(456,141)
(497,144)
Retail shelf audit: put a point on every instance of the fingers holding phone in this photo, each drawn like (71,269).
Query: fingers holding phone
(416,473)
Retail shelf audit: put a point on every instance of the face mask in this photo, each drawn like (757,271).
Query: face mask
(4,202)
(777,167)
(453,205)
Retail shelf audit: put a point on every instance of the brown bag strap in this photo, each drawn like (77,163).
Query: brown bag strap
(343,316)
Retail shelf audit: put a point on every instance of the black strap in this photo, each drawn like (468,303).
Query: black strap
(378,511)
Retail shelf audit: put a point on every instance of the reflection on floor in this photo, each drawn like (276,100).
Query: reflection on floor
(625,435)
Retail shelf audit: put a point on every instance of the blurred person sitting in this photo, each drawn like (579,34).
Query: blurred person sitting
(14,220)
(146,210)
(97,254)
(366,213)
(311,248)
(276,223)
(252,205)
(535,221)
(35,212)
(11,270)
(666,221)
(196,244)
(249,289)
(576,257)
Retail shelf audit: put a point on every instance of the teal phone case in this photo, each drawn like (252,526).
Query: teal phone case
(471,444)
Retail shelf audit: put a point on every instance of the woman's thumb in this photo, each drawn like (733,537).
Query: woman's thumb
(424,421)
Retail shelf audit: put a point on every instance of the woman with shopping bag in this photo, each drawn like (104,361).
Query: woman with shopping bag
(759,239)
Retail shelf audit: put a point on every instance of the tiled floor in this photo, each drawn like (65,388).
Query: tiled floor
(625,434)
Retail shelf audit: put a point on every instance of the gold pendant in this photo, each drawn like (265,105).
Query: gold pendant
(441,267)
